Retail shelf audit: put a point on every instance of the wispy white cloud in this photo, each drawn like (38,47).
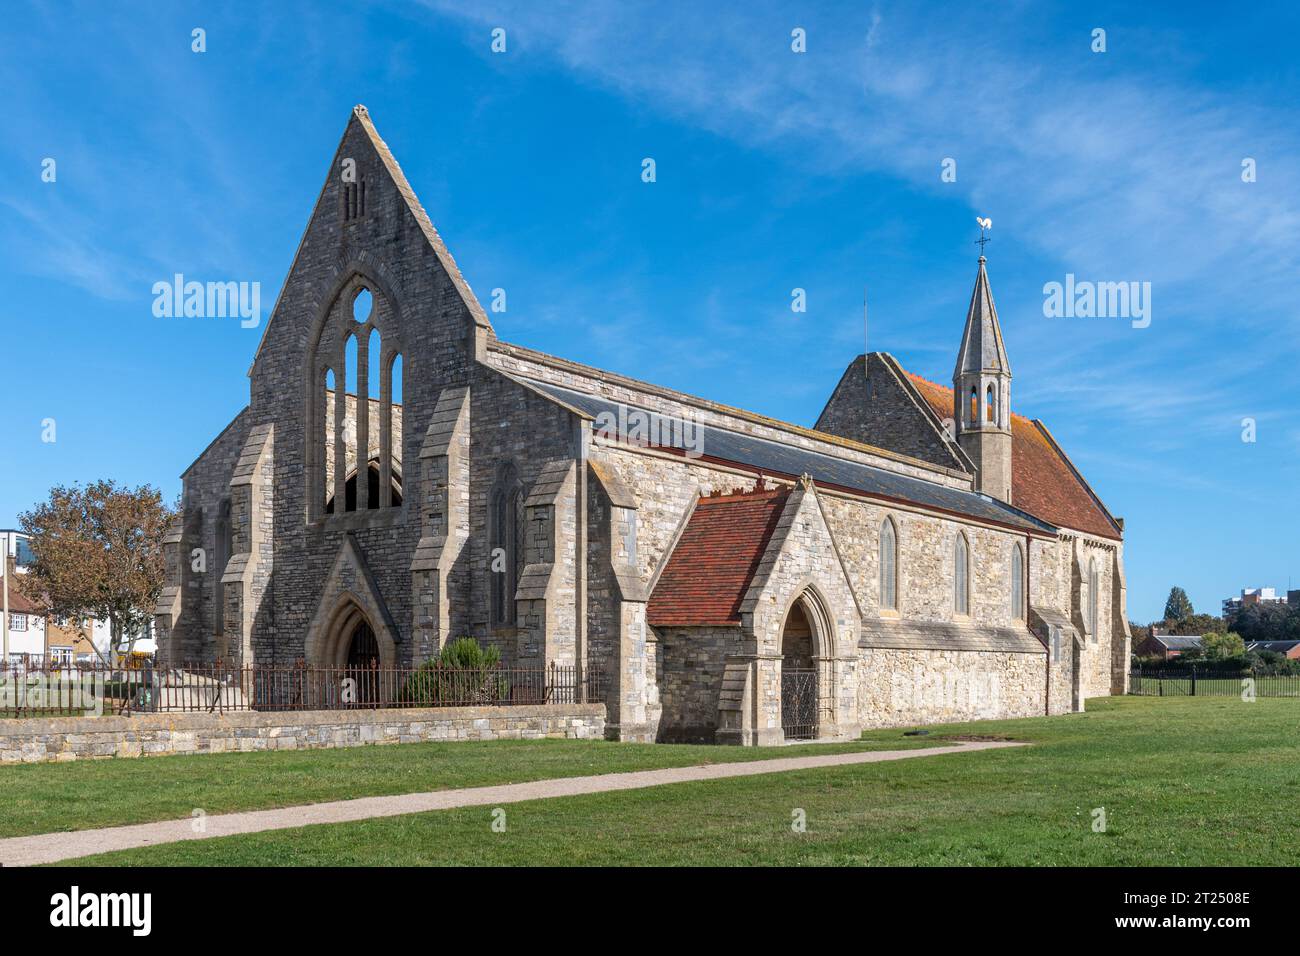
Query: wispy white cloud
(1109,171)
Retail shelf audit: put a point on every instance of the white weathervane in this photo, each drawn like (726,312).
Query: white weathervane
(985,226)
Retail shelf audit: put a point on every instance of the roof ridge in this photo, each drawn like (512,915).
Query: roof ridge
(753,494)
(497,344)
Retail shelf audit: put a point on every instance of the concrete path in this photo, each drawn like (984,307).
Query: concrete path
(53,847)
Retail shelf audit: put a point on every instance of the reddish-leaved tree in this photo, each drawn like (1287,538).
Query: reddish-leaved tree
(97,552)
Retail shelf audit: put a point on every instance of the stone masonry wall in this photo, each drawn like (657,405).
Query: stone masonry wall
(871,406)
(510,426)
(691,665)
(899,688)
(206,485)
(80,738)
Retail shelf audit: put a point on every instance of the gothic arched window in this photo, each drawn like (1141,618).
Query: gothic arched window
(506,534)
(888,566)
(1093,585)
(1017,582)
(990,405)
(961,576)
(354,419)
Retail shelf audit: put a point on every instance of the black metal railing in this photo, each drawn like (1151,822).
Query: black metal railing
(1210,682)
(30,689)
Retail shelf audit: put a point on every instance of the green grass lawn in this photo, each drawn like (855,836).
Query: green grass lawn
(44,798)
(1183,782)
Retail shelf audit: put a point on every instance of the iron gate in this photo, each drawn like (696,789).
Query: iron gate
(799,703)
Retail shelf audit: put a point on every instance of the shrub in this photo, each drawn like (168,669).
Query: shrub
(464,673)
(466,652)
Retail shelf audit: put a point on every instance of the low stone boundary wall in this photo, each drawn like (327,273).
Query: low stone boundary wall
(38,740)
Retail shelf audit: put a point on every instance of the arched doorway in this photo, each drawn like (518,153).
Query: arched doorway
(363,664)
(799,679)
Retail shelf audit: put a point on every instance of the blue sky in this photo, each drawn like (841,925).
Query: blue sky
(775,170)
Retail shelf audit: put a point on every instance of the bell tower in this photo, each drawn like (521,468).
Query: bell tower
(981,386)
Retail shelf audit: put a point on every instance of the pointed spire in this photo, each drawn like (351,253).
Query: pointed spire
(981,349)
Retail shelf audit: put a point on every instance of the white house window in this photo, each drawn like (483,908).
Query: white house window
(888,566)
(1017,583)
(17,622)
(961,576)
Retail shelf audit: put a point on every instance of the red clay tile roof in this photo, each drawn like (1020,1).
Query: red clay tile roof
(715,560)
(18,602)
(1043,482)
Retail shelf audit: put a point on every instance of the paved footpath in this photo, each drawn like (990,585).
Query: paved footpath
(53,847)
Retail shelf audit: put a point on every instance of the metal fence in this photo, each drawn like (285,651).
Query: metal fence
(41,688)
(1210,682)
(73,689)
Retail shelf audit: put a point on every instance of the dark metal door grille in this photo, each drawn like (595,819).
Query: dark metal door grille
(799,703)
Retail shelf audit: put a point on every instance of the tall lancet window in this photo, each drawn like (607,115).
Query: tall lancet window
(1093,586)
(990,406)
(506,534)
(974,406)
(1017,583)
(325,442)
(961,576)
(888,566)
(392,400)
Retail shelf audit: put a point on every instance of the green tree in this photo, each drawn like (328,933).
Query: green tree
(1178,606)
(1220,646)
(1197,624)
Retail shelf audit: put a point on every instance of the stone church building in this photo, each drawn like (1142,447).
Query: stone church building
(401,477)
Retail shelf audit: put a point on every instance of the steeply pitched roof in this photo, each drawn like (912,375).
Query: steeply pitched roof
(716,556)
(791,462)
(981,341)
(1043,481)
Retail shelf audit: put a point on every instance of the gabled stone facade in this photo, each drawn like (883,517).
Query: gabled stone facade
(499,496)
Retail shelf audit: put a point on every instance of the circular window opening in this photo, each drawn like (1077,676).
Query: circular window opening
(362,305)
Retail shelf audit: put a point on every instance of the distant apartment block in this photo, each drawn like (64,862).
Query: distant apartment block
(1259,596)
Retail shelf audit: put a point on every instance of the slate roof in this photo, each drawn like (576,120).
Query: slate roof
(1043,482)
(714,561)
(790,462)
(1278,647)
(1178,642)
